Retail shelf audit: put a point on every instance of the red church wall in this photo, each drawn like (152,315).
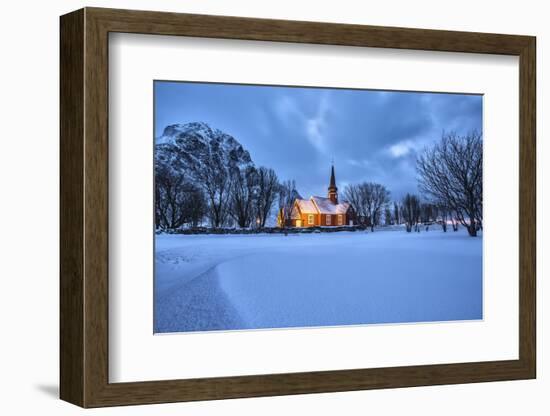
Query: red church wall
(320,220)
(305,220)
(333,220)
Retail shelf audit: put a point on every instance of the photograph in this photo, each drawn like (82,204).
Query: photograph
(280,207)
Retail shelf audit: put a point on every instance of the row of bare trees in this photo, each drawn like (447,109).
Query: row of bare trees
(413,212)
(239,196)
(372,206)
(450,176)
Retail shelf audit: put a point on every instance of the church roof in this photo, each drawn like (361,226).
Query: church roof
(326,206)
(306,206)
(319,205)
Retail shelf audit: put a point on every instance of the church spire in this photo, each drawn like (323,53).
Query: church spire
(332,189)
(332,179)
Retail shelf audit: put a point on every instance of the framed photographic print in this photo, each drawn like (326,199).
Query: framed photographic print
(256,207)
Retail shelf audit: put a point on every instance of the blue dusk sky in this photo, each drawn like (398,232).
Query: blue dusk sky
(371,135)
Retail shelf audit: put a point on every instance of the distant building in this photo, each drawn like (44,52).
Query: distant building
(319,211)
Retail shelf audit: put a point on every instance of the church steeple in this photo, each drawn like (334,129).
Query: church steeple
(332,189)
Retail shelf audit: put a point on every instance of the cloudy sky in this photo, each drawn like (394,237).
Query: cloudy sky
(371,135)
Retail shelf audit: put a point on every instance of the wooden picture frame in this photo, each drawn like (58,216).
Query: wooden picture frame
(84,207)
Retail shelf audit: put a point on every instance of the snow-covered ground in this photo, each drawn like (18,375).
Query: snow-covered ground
(226,282)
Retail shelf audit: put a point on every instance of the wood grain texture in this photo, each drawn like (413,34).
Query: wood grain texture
(96,208)
(84,207)
(527,207)
(71,208)
(225,27)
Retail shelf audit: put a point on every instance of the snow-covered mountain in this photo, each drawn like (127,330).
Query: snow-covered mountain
(198,149)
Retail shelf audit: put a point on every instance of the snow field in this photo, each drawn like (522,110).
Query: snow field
(229,282)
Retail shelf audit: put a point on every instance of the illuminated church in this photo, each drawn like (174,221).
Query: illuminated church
(319,211)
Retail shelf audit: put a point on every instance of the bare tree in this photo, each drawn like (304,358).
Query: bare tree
(195,207)
(454,222)
(268,186)
(215,179)
(452,172)
(169,192)
(287,196)
(353,196)
(177,201)
(244,189)
(444,214)
(375,197)
(396,213)
(388,220)
(427,212)
(411,212)
(368,200)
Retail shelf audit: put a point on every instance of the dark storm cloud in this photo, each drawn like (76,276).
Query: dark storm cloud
(370,135)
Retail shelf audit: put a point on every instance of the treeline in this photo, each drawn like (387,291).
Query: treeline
(226,197)
(414,213)
(450,177)
(372,207)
